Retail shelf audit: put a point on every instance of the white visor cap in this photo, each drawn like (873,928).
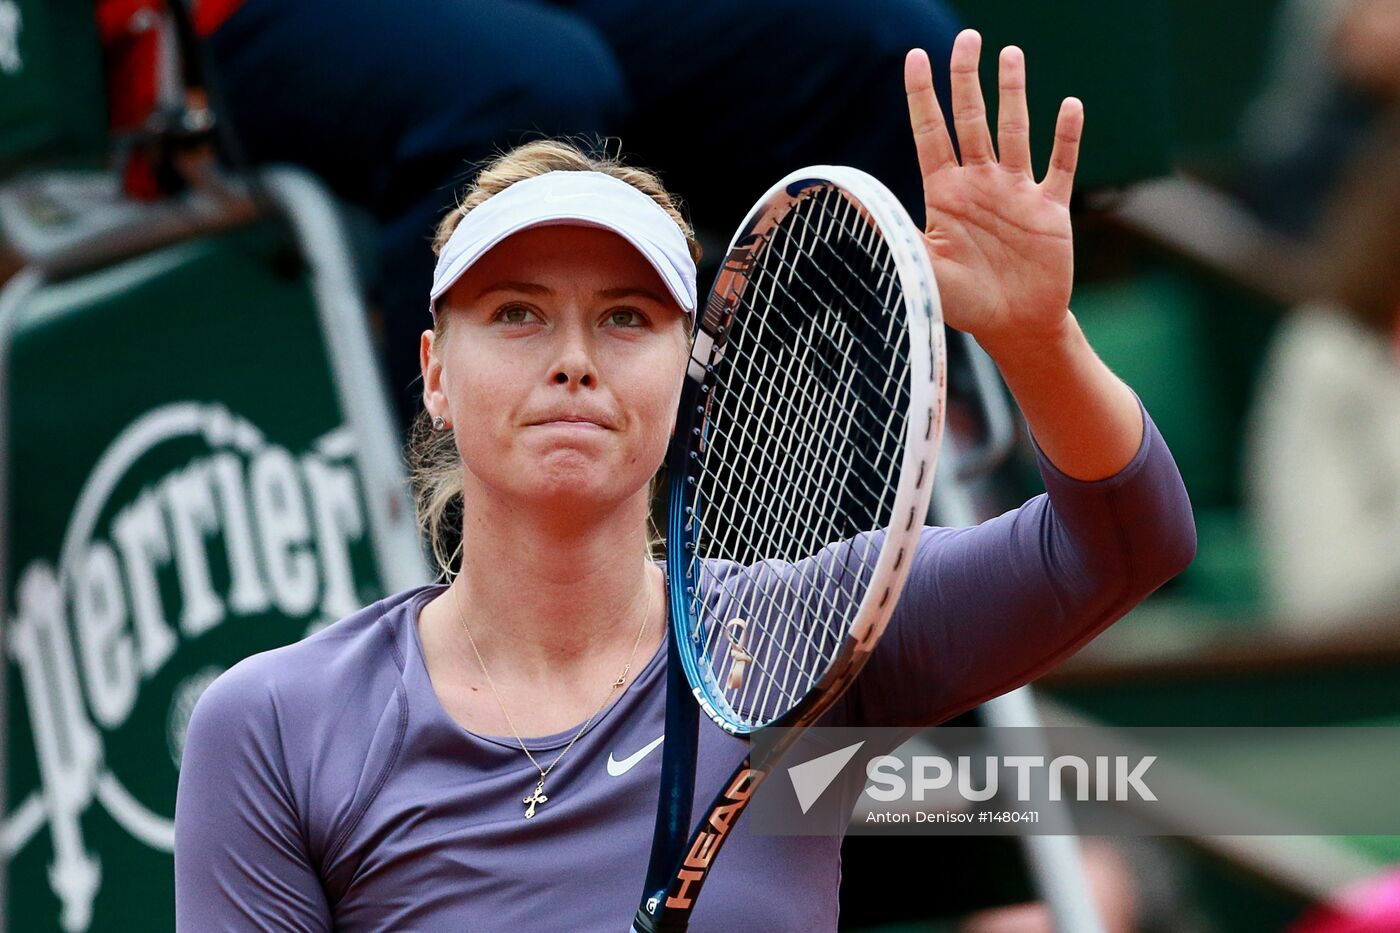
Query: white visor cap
(592,199)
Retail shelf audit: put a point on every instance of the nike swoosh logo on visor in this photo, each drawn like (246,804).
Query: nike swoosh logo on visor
(619,768)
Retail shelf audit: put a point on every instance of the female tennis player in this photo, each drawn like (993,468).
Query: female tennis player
(483,755)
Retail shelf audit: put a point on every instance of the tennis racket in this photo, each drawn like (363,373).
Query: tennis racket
(800,474)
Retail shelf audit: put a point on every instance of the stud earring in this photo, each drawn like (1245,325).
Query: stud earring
(439,423)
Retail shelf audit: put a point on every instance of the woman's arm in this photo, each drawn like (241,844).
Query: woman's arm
(1001,245)
(989,608)
(240,851)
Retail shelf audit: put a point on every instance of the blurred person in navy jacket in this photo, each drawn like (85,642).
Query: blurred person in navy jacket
(389,103)
(1334,72)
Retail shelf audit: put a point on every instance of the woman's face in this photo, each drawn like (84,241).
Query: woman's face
(560,370)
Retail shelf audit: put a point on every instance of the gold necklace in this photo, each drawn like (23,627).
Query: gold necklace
(538,796)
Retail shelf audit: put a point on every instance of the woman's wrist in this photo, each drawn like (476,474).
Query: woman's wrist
(1085,419)
(1022,348)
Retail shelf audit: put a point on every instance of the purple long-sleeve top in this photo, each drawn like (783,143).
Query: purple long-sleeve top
(324,786)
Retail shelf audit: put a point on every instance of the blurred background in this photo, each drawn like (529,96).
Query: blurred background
(214,262)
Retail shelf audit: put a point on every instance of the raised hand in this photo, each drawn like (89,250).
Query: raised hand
(1000,242)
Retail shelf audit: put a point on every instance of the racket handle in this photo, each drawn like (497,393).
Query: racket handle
(644,923)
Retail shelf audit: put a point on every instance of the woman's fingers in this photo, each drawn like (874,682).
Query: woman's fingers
(969,113)
(1013,148)
(1013,119)
(925,116)
(1069,127)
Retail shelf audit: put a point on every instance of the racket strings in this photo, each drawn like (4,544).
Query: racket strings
(815,412)
(838,399)
(815,506)
(826,467)
(804,444)
(872,435)
(844,574)
(826,610)
(768,541)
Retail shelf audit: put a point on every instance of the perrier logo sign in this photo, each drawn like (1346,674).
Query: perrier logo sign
(193,542)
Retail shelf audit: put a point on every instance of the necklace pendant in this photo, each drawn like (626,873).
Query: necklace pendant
(536,798)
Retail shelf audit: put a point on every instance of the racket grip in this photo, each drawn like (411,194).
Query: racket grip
(644,923)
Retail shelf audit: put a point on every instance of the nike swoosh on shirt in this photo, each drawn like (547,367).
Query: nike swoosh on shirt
(619,768)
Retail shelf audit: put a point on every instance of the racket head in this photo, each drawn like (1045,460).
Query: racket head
(805,450)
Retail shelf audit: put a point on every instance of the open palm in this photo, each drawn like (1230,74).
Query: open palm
(999,241)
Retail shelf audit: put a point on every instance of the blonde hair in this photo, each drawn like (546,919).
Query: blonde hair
(435,467)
